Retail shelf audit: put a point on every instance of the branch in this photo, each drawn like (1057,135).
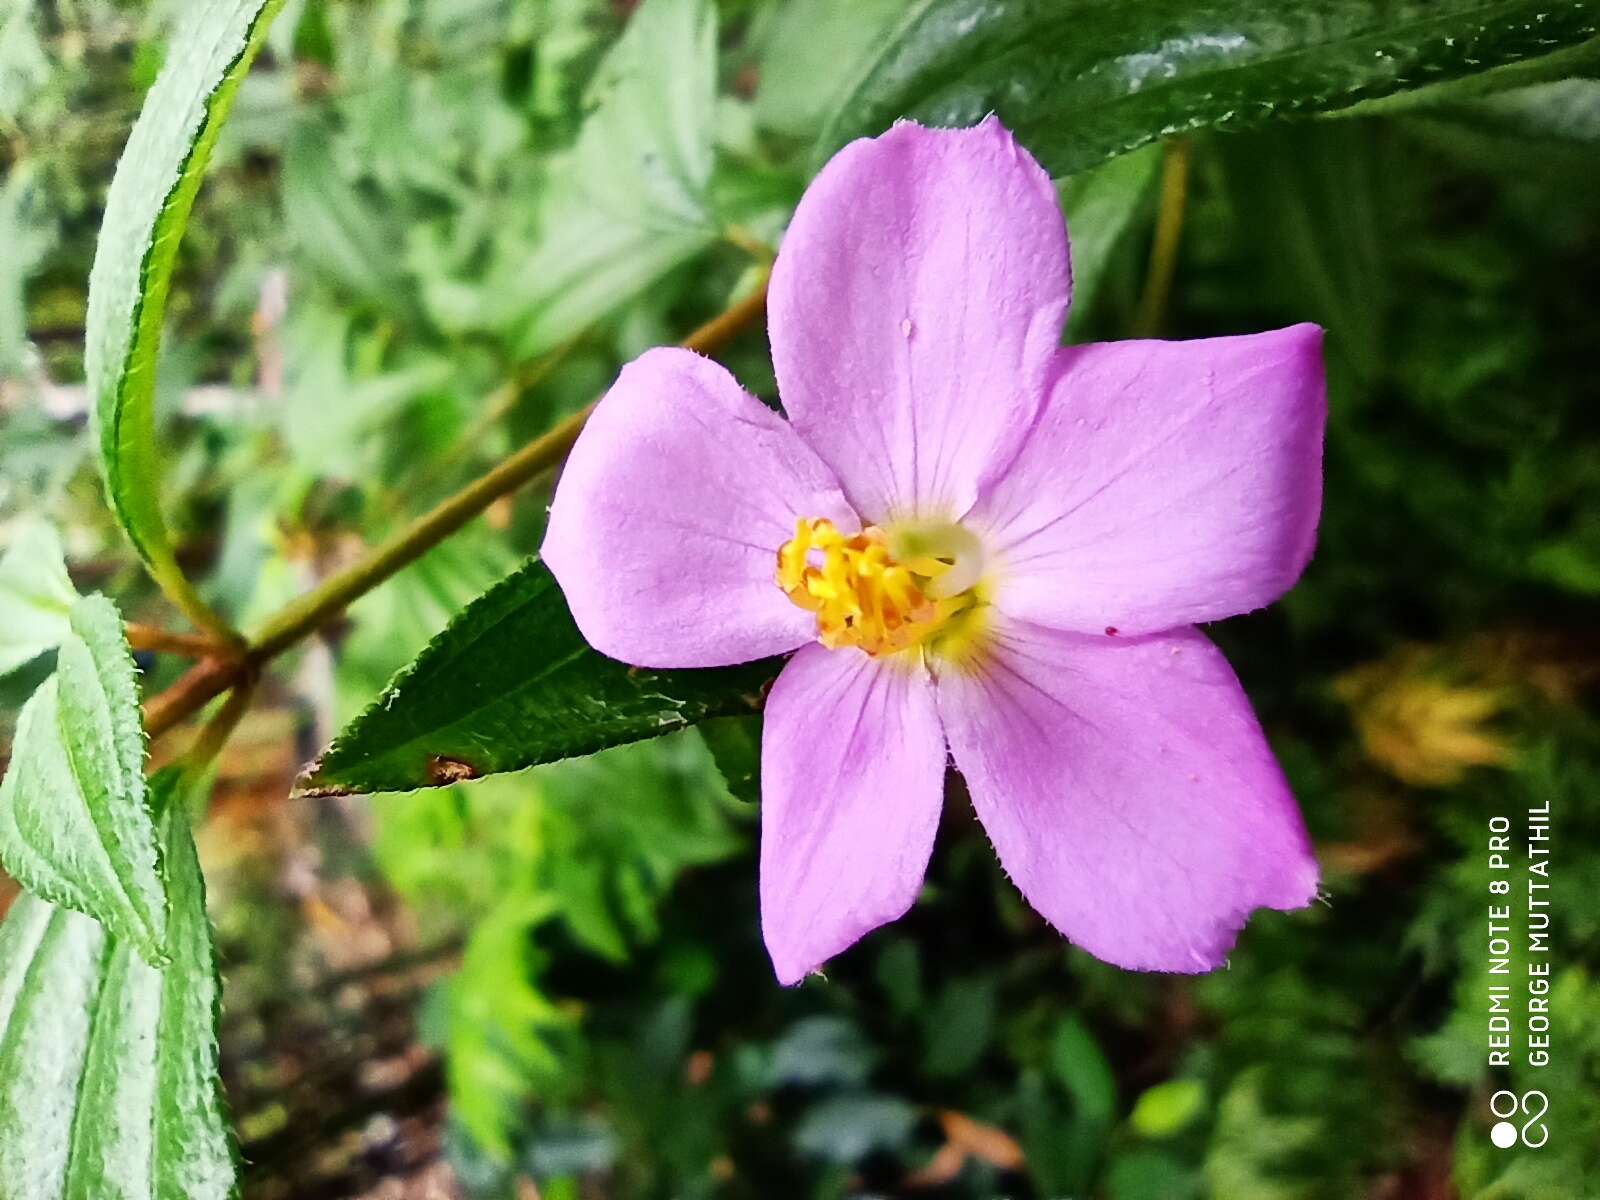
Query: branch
(161,641)
(211,677)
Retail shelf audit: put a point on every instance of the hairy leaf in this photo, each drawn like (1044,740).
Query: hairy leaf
(511,683)
(35,595)
(108,1067)
(146,211)
(1079,81)
(75,827)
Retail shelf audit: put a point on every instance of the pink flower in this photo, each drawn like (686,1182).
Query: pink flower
(975,539)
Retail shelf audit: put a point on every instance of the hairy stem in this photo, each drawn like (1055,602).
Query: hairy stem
(211,677)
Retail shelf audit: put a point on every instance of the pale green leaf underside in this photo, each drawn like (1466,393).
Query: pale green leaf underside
(108,1067)
(146,211)
(1080,81)
(75,826)
(35,595)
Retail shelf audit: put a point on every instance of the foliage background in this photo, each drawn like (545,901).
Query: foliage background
(434,227)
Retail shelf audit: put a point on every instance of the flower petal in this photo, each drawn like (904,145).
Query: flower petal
(915,304)
(1166,483)
(666,524)
(1128,790)
(852,780)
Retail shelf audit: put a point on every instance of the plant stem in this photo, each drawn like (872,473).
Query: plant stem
(211,677)
(162,641)
(208,743)
(1169,232)
(195,688)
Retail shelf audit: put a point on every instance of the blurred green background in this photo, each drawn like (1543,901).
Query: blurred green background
(433,228)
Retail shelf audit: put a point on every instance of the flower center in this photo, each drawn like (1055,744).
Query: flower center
(882,590)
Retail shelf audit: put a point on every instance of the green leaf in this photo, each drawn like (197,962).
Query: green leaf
(24,65)
(511,683)
(1081,1066)
(735,745)
(108,1067)
(645,148)
(339,233)
(846,1129)
(1563,110)
(75,826)
(1578,60)
(507,1039)
(1079,81)
(1168,1108)
(812,51)
(28,225)
(35,595)
(959,1025)
(146,211)
(336,440)
(1315,204)
(621,827)
(1101,206)
(630,201)
(819,1051)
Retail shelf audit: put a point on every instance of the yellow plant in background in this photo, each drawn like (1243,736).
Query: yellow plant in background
(1423,719)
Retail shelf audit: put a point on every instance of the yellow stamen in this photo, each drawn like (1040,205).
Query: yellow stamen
(864,596)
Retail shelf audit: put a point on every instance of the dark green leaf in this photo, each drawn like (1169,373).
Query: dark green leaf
(735,745)
(108,1067)
(511,683)
(622,826)
(1101,206)
(959,1025)
(146,211)
(35,595)
(1150,1175)
(1081,1066)
(74,824)
(1079,81)
(1313,202)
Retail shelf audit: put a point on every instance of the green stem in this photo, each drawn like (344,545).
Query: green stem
(329,598)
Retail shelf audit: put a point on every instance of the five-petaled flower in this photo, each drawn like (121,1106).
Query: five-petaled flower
(978,544)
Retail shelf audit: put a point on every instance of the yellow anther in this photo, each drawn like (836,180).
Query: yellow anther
(862,596)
